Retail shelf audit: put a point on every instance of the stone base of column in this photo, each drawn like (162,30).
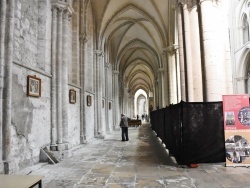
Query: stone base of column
(1,167)
(100,135)
(117,128)
(8,167)
(53,147)
(83,139)
(63,146)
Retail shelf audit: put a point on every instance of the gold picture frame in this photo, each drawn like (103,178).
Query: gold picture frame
(72,96)
(33,86)
(89,100)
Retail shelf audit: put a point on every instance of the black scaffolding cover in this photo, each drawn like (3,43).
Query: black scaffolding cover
(192,132)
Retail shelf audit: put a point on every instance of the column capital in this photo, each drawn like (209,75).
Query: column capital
(83,37)
(161,69)
(107,64)
(99,53)
(116,72)
(170,49)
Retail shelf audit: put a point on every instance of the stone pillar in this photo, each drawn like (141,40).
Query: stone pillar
(161,86)
(188,52)
(83,41)
(196,54)
(165,77)
(2,50)
(156,93)
(181,42)
(125,101)
(217,60)
(106,110)
(132,106)
(6,60)
(172,74)
(100,130)
(116,114)
(65,89)
(59,76)
(53,82)
(59,68)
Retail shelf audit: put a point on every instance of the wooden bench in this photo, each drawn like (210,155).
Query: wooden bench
(134,123)
(20,181)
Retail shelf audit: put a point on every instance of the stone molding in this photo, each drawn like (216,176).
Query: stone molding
(99,53)
(115,72)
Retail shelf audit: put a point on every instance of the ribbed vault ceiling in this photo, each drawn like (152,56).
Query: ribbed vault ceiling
(133,33)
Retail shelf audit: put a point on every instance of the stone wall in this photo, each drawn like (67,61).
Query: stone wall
(90,119)
(30,115)
(74,120)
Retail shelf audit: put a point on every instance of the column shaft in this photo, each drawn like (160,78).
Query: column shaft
(187,49)
(53,72)
(116,114)
(65,90)
(181,54)
(196,55)
(59,77)
(216,50)
(8,58)
(2,37)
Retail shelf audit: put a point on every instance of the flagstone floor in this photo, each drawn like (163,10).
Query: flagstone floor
(141,162)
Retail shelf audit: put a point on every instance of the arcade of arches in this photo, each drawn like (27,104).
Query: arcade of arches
(96,59)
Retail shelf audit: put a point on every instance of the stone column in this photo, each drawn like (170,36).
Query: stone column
(161,86)
(188,50)
(132,106)
(106,109)
(65,89)
(181,42)
(7,13)
(217,60)
(116,114)
(2,49)
(125,100)
(172,74)
(59,76)
(100,129)
(156,93)
(196,54)
(165,74)
(83,41)
(53,81)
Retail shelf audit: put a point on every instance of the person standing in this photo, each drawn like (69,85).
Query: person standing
(124,126)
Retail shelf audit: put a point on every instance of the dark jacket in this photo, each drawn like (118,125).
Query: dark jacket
(124,121)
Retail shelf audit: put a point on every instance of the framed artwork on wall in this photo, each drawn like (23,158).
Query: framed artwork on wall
(110,105)
(33,86)
(88,100)
(72,96)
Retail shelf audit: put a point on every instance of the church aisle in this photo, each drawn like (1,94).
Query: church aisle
(141,162)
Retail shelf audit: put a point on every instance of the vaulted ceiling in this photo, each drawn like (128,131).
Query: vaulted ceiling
(133,33)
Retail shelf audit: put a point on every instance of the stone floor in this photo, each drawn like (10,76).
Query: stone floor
(141,162)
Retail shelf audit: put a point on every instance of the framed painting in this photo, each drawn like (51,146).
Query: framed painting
(89,100)
(33,86)
(110,105)
(72,96)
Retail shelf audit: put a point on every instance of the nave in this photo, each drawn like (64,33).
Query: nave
(142,162)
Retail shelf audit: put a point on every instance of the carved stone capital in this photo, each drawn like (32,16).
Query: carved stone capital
(116,72)
(161,70)
(83,38)
(99,53)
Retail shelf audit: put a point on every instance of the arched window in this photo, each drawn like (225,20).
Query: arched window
(245,26)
